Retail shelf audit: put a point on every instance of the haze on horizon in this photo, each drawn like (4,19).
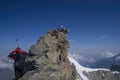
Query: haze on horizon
(94,24)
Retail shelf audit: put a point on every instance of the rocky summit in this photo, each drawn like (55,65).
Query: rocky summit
(49,58)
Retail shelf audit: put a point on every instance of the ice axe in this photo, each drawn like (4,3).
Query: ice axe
(17,42)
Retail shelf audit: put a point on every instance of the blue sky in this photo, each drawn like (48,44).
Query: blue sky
(94,24)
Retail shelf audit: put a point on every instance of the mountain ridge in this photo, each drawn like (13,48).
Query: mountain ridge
(107,62)
(50,59)
(94,74)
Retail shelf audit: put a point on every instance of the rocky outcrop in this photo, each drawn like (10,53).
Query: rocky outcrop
(49,55)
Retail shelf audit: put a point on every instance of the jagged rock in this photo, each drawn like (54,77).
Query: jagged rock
(50,56)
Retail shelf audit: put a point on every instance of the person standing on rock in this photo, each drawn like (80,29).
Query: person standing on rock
(19,57)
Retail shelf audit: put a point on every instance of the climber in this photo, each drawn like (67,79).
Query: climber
(19,56)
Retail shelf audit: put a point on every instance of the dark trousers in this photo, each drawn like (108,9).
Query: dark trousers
(19,71)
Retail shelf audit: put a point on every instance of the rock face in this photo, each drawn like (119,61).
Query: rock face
(49,55)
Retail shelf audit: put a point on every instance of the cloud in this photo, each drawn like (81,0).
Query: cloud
(108,54)
(81,58)
(117,58)
(6,63)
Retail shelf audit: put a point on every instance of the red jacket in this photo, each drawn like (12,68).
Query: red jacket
(17,50)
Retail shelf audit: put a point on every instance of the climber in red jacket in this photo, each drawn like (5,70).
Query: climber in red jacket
(18,50)
(19,57)
(14,52)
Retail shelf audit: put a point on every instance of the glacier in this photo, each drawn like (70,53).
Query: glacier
(80,69)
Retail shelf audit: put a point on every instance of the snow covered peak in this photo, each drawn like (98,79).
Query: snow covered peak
(80,69)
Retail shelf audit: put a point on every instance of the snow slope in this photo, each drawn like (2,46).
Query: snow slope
(80,69)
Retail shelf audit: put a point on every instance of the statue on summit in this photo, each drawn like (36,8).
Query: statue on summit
(63,29)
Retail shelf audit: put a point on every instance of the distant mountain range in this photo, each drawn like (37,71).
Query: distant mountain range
(107,62)
(6,74)
(101,63)
(86,73)
(6,69)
